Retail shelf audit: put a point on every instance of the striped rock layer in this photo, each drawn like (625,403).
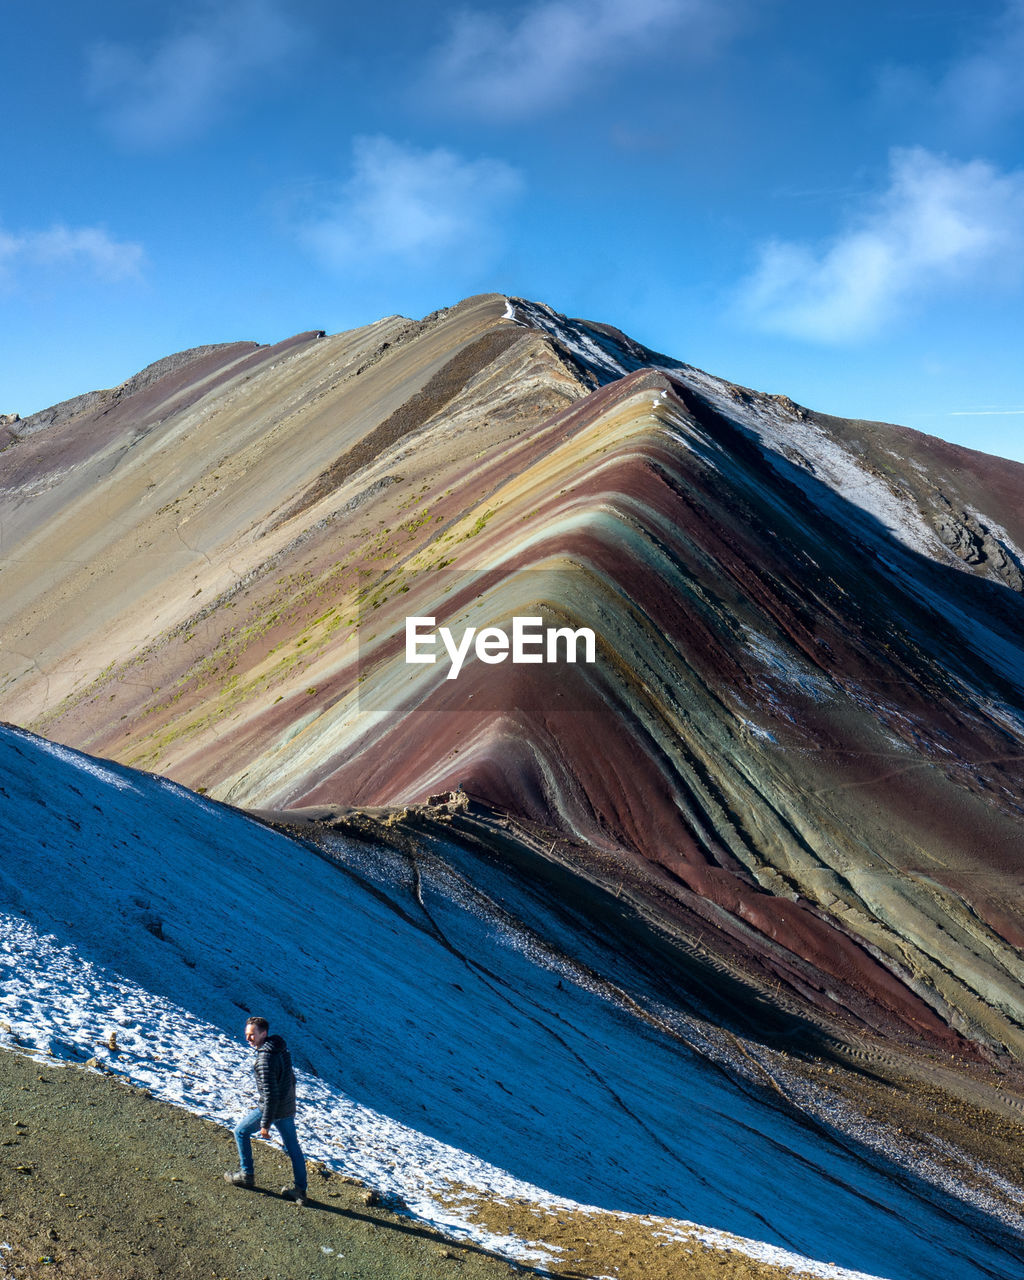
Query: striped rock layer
(798,749)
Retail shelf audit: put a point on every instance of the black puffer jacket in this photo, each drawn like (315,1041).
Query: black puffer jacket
(275,1080)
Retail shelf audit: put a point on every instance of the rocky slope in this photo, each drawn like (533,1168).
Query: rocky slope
(799,749)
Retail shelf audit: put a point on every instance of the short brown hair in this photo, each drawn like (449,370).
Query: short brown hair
(261,1024)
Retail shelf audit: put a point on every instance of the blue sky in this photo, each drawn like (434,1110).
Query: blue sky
(821,200)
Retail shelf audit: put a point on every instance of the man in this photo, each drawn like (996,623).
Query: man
(275,1081)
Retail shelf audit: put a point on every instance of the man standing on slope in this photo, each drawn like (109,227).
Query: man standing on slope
(275,1081)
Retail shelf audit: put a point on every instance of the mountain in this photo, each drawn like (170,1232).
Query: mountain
(772,808)
(798,749)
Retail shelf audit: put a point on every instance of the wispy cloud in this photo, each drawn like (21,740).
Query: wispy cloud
(979,91)
(940,224)
(70,247)
(554,48)
(985,87)
(403,205)
(177,89)
(984,413)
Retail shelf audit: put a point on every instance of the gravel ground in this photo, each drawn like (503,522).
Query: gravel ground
(99,1181)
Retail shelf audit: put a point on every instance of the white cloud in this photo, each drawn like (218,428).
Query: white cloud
(175,90)
(69,247)
(551,51)
(413,207)
(940,224)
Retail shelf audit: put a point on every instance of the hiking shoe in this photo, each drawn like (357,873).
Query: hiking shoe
(293,1193)
(240,1179)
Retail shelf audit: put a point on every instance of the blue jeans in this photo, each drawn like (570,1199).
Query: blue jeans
(249,1124)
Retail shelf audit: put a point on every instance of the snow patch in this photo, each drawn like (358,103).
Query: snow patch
(594,352)
(89,765)
(832,463)
(784,665)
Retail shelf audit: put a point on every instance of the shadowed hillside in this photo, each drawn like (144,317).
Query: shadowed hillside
(494,1048)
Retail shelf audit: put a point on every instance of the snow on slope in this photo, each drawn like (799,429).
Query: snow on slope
(783,435)
(822,457)
(437,1042)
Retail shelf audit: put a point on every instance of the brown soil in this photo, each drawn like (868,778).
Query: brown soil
(627,1246)
(100,1181)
